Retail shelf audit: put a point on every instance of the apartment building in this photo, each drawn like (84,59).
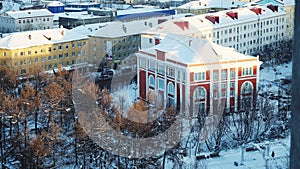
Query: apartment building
(17,21)
(247,29)
(289,8)
(196,75)
(208,6)
(23,51)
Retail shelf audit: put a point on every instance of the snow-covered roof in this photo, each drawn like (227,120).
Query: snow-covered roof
(21,40)
(138,26)
(211,3)
(275,2)
(90,29)
(139,10)
(54,3)
(29,13)
(188,50)
(198,23)
(79,15)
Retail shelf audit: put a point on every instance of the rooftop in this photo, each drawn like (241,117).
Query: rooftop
(21,40)
(198,23)
(29,13)
(186,50)
(212,3)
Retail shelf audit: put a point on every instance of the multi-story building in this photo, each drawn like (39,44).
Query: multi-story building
(289,8)
(196,75)
(23,51)
(117,40)
(16,21)
(247,29)
(207,6)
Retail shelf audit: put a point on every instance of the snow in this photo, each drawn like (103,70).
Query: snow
(187,46)
(203,4)
(39,37)
(199,23)
(29,13)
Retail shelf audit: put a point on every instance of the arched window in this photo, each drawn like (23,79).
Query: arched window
(247,88)
(199,94)
(151,81)
(199,100)
(246,95)
(171,89)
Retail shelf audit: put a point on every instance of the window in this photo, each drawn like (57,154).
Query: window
(224,74)
(161,69)
(183,76)
(216,75)
(43,59)
(161,84)
(49,58)
(61,56)
(49,49)
(151,81)
(171,89)
(247,71)
(247,88)
(178,75)
(152,65)
(199,101)
(171,72)
(199,76)
(54,48)
(4,53)
(67,55)
(73,45)
(143,63)
(231,85)
(36,60)
(67,46)
(54,57)
(22,53)
(79,53)
(60,47)
(79,44)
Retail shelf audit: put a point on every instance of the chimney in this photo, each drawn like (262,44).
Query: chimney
(232,15)
(256,10)
(29,36)
(190,42)
(159,21)
(182,24)
(273,8)
(62,32)
(124,28)
(213,19)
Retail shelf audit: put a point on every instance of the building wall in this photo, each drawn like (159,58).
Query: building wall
(9,24)
(46,56)
(223,89)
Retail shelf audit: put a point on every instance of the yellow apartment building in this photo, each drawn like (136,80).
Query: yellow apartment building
(24,51)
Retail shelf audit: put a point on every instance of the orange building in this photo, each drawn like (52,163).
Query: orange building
(196,75)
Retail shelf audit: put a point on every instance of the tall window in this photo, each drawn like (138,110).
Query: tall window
(199,100)
(161,84)
(224,74)
(161,69)
(142,62)
(232,74)
(171,72)
(151,81)
(171,89)
(199,76)
(246,95)
(152,65)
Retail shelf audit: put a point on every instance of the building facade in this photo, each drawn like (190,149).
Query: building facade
(197,76)
(248,30)
(17,21)
(24,51)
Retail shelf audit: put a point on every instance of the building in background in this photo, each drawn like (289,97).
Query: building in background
(24,51)
(17,21)
(289,8)
(247,30)
(196,75)
(208,6)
